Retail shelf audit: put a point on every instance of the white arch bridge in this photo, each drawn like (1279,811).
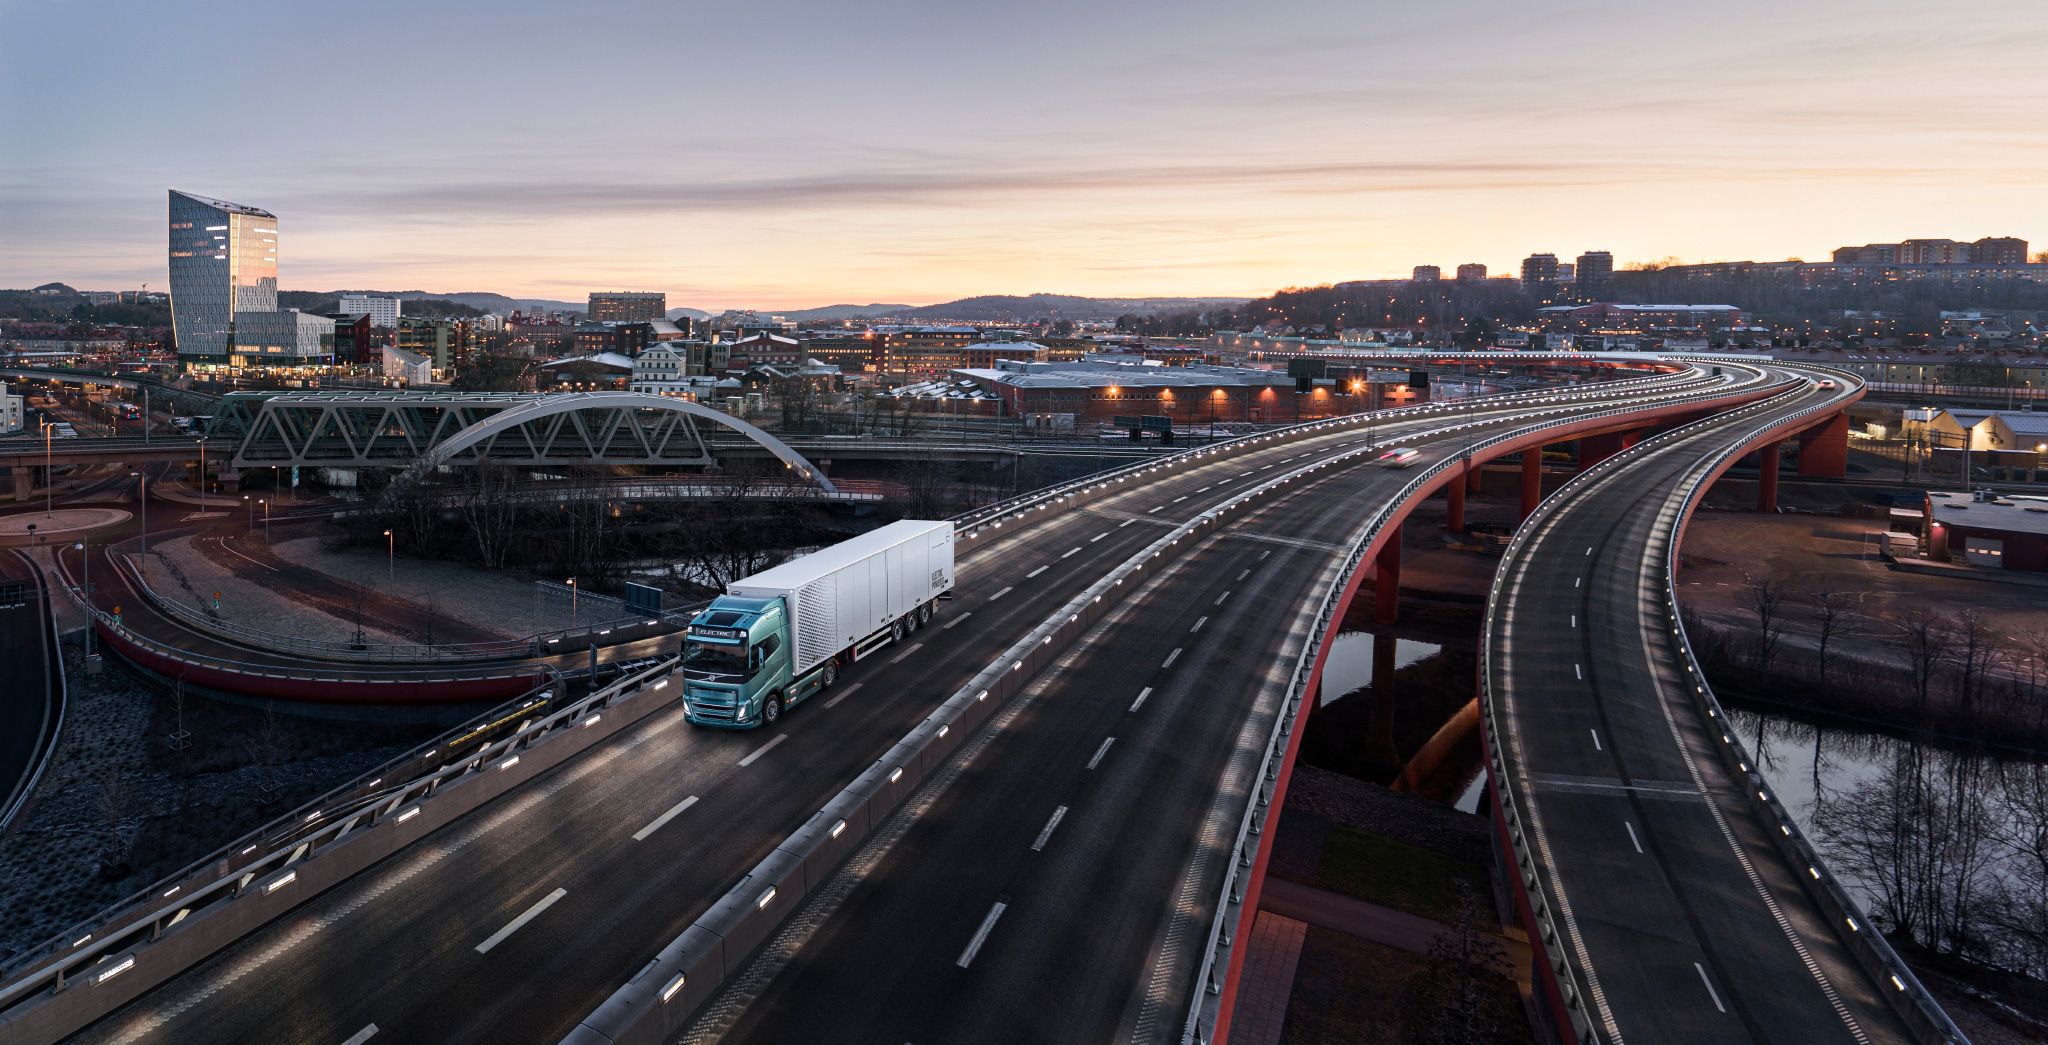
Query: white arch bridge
(423,430)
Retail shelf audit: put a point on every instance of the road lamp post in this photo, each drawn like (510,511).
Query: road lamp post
(249,523)
(49,473)
(266,522)
(202,468)
(85,553)
(572,603)
(142,495)
(390,557)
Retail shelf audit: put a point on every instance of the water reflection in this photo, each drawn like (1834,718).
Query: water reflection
(1399,712)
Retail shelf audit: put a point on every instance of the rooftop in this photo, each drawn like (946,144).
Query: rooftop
(2019,514)
(232,208)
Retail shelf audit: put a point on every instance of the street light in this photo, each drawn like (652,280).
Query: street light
(86,554)
(572,602)
(49,474)
(390,556)
(266,521)
(250,522)
(142,494)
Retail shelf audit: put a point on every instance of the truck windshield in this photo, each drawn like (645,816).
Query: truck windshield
(725,660)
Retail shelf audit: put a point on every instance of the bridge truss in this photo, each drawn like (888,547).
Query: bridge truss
(425,430)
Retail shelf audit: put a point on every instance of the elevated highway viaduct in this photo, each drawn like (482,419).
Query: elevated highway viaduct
(649,827)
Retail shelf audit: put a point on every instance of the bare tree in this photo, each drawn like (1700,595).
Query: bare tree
(266,750)
(487,509)
(1764,593)
(1925,641)
(1975,654)
(1831,618)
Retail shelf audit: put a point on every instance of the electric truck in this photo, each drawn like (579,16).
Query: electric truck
(776,638)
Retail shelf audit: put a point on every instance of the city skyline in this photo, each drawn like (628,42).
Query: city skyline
(1343,148)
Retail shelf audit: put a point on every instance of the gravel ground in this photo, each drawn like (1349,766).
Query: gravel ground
(482,598)
(180,571)
(115,790)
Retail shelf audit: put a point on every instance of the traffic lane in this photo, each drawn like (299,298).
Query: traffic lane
(797,815)
(1734,941)
(890,958)
(588,821)
(25,649)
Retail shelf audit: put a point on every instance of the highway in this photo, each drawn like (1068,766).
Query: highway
(1684,919)
(31,702)
(512,923)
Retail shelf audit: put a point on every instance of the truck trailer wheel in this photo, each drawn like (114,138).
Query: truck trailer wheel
(898,630)
(925,613)
(771,709)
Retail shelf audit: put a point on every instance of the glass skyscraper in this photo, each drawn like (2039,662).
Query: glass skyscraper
(223,264)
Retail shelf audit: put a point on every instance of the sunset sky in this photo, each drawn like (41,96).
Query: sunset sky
(784,154)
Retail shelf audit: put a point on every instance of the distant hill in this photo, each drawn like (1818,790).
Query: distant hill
(1006,307)
(693,313)
(1000,308)
(835,313)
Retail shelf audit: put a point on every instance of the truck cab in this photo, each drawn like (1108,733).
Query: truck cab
(735,658)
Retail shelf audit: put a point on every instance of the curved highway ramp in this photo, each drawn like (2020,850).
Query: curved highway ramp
(1673,897)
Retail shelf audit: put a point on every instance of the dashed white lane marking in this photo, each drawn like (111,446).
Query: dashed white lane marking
(1596,740)
(1101,535)
(1198,625)
(1580,671)
(981,935)
(1220,598)
(1245,574)
(1036,572)
(1127,522)
(1002,593)
(1149,511)
(1099,752)
(1179,499)
(1140,702)
(657,822)
(1711,992)
(1046,835)
(956,620)
(1263,554)
(1171,657)
(898,658)
(362,1035)
(1576,581)
(533,912)
(848,691)
(1071,554)
(1632,836)
(764,749)
(1575,620)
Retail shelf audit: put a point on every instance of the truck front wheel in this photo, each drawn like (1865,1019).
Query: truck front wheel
(771,710)
(831,674)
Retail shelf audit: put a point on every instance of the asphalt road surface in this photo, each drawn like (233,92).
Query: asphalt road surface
(29,688)
(1693,927)
(511,924)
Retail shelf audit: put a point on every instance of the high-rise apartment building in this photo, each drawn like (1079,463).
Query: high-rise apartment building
(1539,270)
(223,268)
(383,311)
(627,307)
(1594,271)
(1933,252)
(1428,273)
(1471,272)
(1999,250)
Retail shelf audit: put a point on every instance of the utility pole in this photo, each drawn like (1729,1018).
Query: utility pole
(142,494)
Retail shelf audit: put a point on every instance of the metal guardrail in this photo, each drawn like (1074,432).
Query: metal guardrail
(1244,850)
(1920,1010)
(55,728)
(663,993)
(530,646)
(274,850)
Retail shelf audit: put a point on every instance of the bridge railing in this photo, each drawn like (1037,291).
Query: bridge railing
(661,996)
(124,950)
(974,522)
(1227,924)
(1873,952)
(537,644)
(1906,995)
